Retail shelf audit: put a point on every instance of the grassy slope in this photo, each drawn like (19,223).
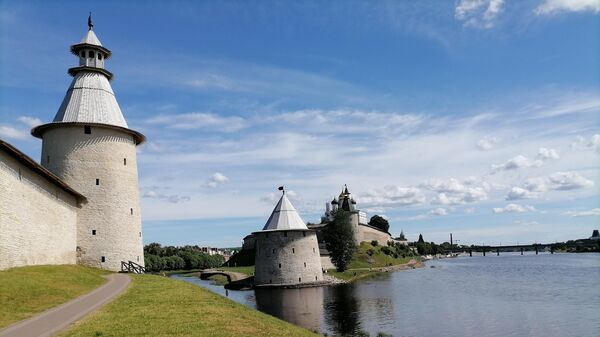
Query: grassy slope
(159,306)
(29,290)
(361,262)
(248,270)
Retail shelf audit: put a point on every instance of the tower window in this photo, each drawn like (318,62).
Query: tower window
(97,181)
(293,250)
(267,235)
(140,234)
(103,259)
(124,161)
(315,278)
(82,53)
(138,258)
(91,54)
(270,281)
(93,232)
(273,250)
(99,56)
(87,129)
(299,279)
(303,233)
(304,264)
(285,234)
(313,250)
(280,266)
(131,210)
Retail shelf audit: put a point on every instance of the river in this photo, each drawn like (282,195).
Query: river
(506,295)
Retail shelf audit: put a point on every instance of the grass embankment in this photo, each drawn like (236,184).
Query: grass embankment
(26,291)
(248,270)
(219,279)
(369,261)
(160,306)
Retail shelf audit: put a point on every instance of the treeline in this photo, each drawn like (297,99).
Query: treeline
(393,249)
(159,258)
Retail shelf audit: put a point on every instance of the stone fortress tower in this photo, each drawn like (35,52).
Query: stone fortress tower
(287,252)
(89,146)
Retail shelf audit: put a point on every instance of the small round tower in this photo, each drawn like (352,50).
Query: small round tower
(91,148)
(287,252)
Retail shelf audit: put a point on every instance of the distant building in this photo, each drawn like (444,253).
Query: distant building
(286,251)
(595,235)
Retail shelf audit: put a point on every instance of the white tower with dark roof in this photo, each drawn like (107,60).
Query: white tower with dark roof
(90,147)
(287,252)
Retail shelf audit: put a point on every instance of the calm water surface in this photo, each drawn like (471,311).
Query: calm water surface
(509,295)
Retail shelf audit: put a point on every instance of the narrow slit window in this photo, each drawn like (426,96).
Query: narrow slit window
(280,266)
(140,234)
(131,211)
(82,53)
(299,279)
(20,176)
(293,250)
(138,258)
(87,129)
(47,159)
(97,181)
(124,161)
(270,281)
(103,259)
(313,250)
(93,232)
(99,56)
(315,278)
(91,54)
(304,264)
(273,250)
(285,234)
(303,233)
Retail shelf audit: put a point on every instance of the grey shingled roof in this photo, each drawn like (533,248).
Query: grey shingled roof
(284,217)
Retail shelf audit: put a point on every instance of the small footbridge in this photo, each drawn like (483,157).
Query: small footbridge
(236,281)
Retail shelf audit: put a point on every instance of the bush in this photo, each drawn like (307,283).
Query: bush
(374,243)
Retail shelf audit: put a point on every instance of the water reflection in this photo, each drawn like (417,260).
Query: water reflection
(303,307)
(342,309)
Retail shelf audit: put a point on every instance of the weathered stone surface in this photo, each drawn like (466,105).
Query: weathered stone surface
(38,219)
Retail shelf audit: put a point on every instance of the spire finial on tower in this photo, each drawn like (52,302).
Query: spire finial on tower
(90,24)
(282,189)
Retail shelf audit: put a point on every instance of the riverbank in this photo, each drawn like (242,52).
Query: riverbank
(161,306)
(26,291)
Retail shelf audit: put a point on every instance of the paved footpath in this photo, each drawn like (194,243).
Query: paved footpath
(58,318)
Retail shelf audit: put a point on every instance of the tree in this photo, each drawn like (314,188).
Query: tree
(339,239)
(421,239)
(402,237)
(379,222)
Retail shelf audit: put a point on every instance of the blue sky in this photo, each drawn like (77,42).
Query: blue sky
(476,117)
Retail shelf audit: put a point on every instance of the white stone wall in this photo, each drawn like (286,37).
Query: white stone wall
(287,258)
(38,219)
(113,208)
(369,234)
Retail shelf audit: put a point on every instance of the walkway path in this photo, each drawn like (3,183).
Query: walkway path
(53,320)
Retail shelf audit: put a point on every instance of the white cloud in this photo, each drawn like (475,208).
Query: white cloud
(516,163)
(564,181)
(517,193)
(592,212)
(30,121)
(454,192)
(594,143)
(200,120)
(547,154)
(514,208)
(439,211)
(172,198)
(487,143)
(550,7)
(391,196)
(14,133)
(478,13)
(216,179)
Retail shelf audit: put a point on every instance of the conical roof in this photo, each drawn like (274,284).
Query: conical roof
(284,217)
(90,99)
(91,38)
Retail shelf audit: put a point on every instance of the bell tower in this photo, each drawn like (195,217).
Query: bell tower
(90,146)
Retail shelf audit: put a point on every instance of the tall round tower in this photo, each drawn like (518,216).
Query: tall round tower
(287,252)
(90,147)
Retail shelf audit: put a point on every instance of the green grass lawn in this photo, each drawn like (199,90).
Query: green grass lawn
(26,291)
(248,270)
(219,279)
(160,306)
(362,259)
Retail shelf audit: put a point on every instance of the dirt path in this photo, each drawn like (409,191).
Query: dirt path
(58,318)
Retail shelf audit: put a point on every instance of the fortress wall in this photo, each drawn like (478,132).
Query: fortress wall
(287,257)
(38,219)
(113,208)
(369,234)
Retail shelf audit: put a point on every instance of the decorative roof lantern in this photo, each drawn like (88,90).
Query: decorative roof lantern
(91,53)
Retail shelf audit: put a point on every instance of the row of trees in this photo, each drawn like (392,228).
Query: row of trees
(159,258)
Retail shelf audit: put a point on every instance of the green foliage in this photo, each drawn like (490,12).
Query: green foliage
(374,243)
(368,256)
(428,248)
(158,258)
(379,222)
(339,239)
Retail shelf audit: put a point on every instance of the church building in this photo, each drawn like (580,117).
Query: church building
(80,203)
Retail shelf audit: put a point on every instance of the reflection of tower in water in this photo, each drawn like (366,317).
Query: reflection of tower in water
(302,307)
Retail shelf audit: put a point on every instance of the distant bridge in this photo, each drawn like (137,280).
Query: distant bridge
(537,247)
